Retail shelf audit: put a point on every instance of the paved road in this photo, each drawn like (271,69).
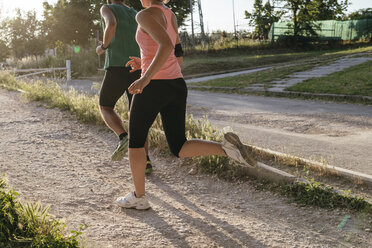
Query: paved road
(339,133)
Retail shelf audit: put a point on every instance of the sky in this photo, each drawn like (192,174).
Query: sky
(218,14)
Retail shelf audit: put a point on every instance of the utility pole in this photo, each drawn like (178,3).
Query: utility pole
(97,41)
(192,24)
(201,20)
(273,27)
(233,2)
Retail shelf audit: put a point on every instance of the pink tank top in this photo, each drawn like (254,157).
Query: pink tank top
(171,69)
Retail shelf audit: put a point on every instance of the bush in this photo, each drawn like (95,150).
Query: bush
(30,225)
(293,41)
(84,61)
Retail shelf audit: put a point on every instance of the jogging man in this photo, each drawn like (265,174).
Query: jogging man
(119,44)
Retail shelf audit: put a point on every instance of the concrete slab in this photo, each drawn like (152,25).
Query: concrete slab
(276,89)
(232,74)
(252,88)
(318,72)
(351,175)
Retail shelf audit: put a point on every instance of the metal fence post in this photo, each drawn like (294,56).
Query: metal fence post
(68,69)
(272,33)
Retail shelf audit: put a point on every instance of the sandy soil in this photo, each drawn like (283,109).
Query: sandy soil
(48,156)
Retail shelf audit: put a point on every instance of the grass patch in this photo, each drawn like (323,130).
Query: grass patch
(30,225)
(354,99)
(312,193)
(245,59)
(356,80)
(86,110)
(320,195)
(262,77)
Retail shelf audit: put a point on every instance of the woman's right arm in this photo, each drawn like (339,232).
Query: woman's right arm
(159,34)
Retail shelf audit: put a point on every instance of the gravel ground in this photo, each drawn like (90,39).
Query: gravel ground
(49,157)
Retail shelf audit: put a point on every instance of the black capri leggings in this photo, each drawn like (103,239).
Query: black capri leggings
(167,97)
(115,83)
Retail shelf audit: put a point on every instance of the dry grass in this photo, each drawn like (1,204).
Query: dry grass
(85,108)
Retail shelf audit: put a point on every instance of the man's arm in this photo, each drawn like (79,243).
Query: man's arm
(110,28)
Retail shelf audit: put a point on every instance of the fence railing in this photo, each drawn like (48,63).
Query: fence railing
(38,71)
(328,30)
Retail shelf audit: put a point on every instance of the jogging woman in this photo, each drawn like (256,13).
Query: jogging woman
(162,89)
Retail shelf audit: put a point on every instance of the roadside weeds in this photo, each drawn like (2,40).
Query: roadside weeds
(86,110)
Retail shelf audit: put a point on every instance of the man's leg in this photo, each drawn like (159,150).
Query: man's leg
(115,83)
(112,120)
(148,170)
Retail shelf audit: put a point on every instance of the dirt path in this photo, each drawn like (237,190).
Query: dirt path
(48,156)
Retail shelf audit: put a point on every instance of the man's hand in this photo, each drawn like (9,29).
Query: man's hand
(99,49)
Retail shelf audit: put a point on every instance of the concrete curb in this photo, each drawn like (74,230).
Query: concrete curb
(323,95)
(348,174)
(263,171)
(290,93)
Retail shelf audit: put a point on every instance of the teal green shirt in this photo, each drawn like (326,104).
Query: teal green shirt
(123,43)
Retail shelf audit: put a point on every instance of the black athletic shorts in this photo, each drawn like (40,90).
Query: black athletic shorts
(167,97)
(115,83)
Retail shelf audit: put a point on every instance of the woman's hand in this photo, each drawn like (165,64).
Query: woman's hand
(137,86)
(134,63)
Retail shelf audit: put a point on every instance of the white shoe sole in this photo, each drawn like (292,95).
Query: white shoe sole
(248,156)
(133,206)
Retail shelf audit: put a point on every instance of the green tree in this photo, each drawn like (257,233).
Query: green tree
(320,10)
(180,7)
(23,34)
(76,21)
(4,50)
(263,18)
(70,21)
(360,14)
(305,12)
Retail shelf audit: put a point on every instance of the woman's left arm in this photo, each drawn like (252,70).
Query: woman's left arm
(178,48)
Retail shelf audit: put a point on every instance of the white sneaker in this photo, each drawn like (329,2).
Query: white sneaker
(131,201)
(235,149)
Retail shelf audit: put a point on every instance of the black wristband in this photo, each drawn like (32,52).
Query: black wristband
(103,48)
(178,52)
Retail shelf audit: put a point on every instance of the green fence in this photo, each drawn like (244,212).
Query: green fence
(328,30)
